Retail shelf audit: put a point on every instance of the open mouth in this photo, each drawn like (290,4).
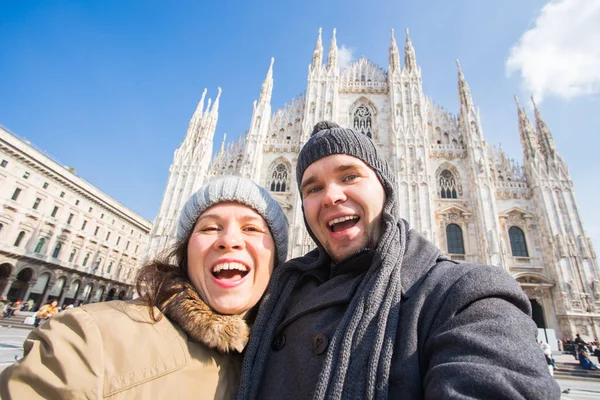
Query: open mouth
(230,271)
(343,223)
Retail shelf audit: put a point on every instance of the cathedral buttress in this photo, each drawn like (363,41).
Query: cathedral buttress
(479,173)
(188,172)
(408,139)
(568,252)
(259,125)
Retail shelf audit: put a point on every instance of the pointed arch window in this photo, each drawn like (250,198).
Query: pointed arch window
(363,120)
(518,244)
(279,178)
(454,237)
(40,245)
(448,185)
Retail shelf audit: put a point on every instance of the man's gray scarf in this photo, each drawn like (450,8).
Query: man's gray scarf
(360,352)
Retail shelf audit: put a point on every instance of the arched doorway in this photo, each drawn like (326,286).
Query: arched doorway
(37,291)
(85,297)
(20,285)
(121,295)
(111,294)
(99,294)
(56,292)
(537,313)
(72,293)
(5,271)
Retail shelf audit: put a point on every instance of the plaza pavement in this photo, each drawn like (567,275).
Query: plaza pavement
(11,346)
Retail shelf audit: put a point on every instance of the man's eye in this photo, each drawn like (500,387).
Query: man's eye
(313,189)
(350,177)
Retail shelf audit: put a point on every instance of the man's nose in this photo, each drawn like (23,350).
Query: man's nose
(334,194)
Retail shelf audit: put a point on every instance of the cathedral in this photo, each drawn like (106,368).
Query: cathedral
(467,197)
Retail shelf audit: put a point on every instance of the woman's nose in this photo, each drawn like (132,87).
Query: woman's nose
(230,239)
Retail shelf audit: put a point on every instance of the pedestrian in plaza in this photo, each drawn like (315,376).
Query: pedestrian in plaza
(183,338)
(3,305)
(30,305)
(13,308)
(377,311)
(585,359)
(47,311)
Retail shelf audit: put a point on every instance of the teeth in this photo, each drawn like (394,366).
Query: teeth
(342,219)
(229,266)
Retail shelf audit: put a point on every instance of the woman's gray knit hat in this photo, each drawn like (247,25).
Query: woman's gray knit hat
(329,138)
(243,191)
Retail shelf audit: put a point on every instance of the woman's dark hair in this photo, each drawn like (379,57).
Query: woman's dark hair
(154,281)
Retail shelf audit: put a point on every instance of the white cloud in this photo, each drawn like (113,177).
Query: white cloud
(345,55)
(560,55)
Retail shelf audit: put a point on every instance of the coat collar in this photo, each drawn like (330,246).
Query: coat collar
(225,333)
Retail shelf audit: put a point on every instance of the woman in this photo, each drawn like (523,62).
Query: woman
(230,236)
(47,311)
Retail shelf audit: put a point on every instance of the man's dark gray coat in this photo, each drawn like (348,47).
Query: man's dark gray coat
(465,331)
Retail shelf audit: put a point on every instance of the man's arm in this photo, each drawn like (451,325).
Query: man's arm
(483,342)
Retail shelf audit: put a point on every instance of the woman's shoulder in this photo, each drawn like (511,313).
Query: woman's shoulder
(135,310)
(118,317)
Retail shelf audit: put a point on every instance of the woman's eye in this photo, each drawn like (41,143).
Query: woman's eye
(209,229)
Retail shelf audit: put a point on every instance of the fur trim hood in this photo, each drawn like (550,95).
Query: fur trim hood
(225,333)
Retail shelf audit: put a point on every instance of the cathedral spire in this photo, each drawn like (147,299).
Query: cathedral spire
(317,59)
(528,138)
(545,138)
(197,116)
(410,59)
(394,55)
(223,144)
(267,86)
(464,93)
(215,108)
(332,58)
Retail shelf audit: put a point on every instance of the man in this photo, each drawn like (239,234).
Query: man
(376,311)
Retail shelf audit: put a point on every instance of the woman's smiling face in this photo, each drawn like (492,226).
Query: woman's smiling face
(230,255)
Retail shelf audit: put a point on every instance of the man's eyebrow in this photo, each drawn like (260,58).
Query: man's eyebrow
(340,168)
(346,167)
(310,180)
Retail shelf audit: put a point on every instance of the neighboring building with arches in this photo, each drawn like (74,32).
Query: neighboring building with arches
(60,237)
(469,198)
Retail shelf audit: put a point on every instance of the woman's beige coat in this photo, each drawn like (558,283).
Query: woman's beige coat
(115,350)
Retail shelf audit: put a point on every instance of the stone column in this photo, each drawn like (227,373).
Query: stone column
(63,294)
(9,282)
(46,293)
(30,286)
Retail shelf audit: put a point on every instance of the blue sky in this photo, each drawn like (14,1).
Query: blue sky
(108,87)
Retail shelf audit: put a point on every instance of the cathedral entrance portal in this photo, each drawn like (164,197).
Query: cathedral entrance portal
(537,313)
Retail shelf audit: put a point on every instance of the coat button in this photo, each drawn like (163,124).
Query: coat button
(278,342)
(320,343)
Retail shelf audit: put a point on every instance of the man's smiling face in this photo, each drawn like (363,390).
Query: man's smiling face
(343,200)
